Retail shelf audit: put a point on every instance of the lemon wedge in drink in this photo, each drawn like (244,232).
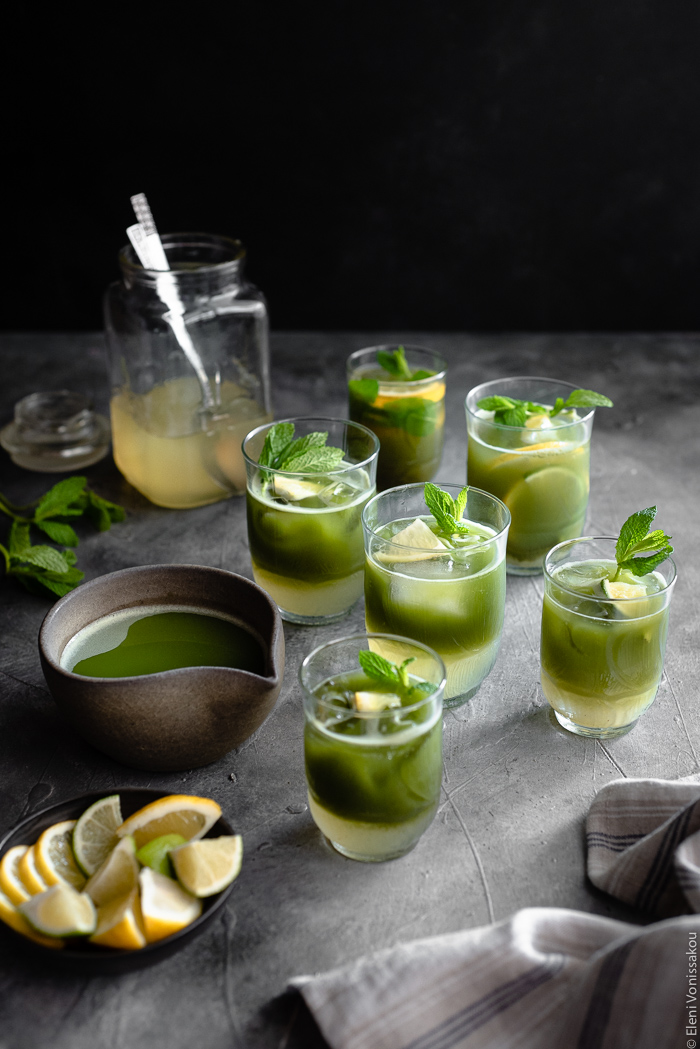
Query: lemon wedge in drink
(165,906)
(295,491)
(420,543)
(27,870)
(117,876)
(374,702)
(10,882)
(11,916)
(176,814)
(119,923)
(60,911)
(95,833)
(206,867)
(53,853)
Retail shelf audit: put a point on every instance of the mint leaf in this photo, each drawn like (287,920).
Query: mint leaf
(417,416)
(496,404)
(425,688)
(394,363)
(276,440)
(445,510)
(60,533)
(57,501)
(302,444)
(509,411)
(315,460)
(512,416)
(636,538)
(364,389)
(43,557)
(101,512)
(587,399)
(378,668)
(19,538)
(421,373)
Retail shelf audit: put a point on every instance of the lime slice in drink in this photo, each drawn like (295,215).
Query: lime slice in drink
(549,499)
(60,911)
(373,702)
(206,867)
(626,591)
(95,835)
(420,543)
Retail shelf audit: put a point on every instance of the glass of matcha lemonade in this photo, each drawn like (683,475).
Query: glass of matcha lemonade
(529,444)
(435,572)
(373,742)
(604,633)
(308,480)
(399,393)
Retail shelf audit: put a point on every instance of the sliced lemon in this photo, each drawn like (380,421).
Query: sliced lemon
(157,853)
(165,906)
(11,916)
(30,876)
(371,702)
(95,833)
(117,876)
(538,422)
(119,923)
(420,542)
(60,911)
(208,866)
(176,814)
(434,392)
(10,882)
(295,491)
(53,853)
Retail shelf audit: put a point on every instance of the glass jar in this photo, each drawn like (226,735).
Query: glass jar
(189,362)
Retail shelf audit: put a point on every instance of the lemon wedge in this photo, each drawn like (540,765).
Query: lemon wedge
(119,923)
(295,491)
(538,422)
(165,906)
(11,916)
(208,866)
(95,833)
(30,876)
(373,702)
(10,882)
(420,543)
(118,875)
(175,814)
(53,853)
(60,911)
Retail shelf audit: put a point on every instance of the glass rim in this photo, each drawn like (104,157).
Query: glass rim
(311,473)
(601,600)
(187,238)
(364,635)
(443,484)
(402,383)
(523,378)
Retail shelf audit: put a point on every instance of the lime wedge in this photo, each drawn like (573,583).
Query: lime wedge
(94,835)
(373,702)
(60,911)
(417,541)
(155,853)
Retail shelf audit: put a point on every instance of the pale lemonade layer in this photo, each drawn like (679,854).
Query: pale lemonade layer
(543,478)
(601,661)
(307,552)
(452,602)
(162,447)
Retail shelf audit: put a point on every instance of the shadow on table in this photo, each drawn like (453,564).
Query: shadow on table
(294,1026)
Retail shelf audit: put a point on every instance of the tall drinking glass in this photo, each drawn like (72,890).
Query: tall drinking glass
(304,529)
(450,595)
(602,658)
(373,763)
(540,470)
(407,415)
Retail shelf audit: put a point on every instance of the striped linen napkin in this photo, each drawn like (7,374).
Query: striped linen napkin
(549,978)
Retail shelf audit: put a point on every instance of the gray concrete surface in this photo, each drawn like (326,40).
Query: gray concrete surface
(516,788)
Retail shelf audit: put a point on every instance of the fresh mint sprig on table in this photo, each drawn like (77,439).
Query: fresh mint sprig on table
(636,539)
(39,567)
(509,411)
(307,454)
(394,362)
(448,512)
(382,670)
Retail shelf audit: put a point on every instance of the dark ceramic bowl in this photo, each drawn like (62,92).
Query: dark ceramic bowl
(175,719)
(88,957)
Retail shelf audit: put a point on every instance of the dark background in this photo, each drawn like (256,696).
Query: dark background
(449,165)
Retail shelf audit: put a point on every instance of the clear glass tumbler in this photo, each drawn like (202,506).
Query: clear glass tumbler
(601,658)
(304,529)
(374,774)
(189,361)
(450,597)
(541,470)
(407,415)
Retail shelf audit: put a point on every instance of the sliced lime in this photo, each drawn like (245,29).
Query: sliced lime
(94,835)
(155,854)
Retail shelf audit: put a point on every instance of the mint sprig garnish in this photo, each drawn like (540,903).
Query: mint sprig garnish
(382,670)
(509,411)
(636,539)
(448,512)
(308,454)
(39,567)
(394,362)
